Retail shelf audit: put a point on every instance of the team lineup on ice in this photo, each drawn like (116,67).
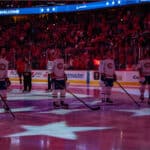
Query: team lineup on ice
(74,75)
(58,84)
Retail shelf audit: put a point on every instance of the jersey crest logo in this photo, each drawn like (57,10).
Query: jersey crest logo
(59,65)
(110,65)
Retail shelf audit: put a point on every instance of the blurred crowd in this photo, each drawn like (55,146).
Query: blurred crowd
(82,37)
(34,3)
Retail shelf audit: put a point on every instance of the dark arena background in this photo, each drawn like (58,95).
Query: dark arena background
(81,31)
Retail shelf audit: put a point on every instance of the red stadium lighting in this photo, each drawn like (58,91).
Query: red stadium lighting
(96,62)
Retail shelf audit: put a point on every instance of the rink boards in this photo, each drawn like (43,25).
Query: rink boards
(80,77)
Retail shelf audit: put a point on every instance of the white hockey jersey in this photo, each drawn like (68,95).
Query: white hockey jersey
(107,67)
(58,69)
(3,68)
(144,67)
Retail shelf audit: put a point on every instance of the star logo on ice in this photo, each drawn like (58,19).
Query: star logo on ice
(137,112)
(57,129)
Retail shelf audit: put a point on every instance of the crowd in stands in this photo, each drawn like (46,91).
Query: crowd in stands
(82,37)
(34,3)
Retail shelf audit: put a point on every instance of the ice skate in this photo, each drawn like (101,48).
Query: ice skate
(56,105)
(64,105)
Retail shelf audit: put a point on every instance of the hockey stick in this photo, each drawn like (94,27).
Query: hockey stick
(6,105)
(128,94)
(92,108)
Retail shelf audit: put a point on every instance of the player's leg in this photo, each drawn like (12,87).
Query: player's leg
(63,93)
(62,87)
(148,81)
(149,94)
(49,82)
(108,94)
(142,82)
(109,85)
(102,91)
(20,78)
(29,81)
(55,89)
(3,94)
(56,103)
(25,81)
(142,90)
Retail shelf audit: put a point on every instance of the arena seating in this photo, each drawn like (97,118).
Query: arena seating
(82,37)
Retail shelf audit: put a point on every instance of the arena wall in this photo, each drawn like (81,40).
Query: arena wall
(128,78)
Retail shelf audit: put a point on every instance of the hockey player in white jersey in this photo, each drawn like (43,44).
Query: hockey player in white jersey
(144,72)
(59,81)
(4,80)
(108,76)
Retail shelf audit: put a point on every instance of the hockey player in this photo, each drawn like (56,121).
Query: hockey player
(107,73)
(144,72)
(4,80)
(59,81)
(27,76)
(20,67)
(50,63)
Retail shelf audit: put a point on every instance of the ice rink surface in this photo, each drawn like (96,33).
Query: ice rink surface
(122,125)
